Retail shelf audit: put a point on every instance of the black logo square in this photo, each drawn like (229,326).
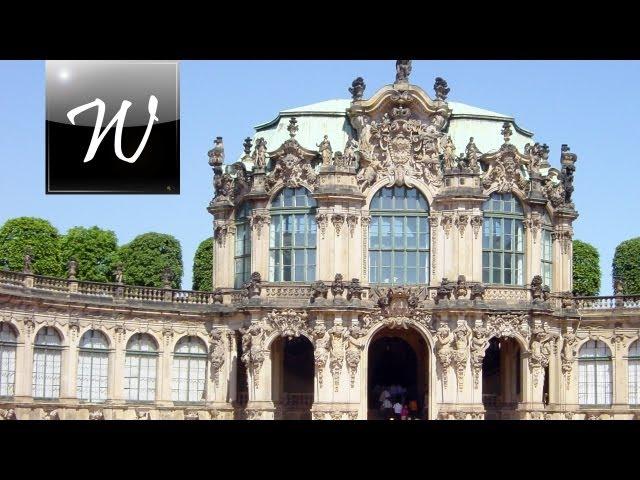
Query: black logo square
(113,127)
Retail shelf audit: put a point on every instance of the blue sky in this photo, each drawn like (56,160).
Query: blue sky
(591,105)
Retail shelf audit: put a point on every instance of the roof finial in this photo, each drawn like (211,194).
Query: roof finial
(506,131)
(247,146)
(216,154)
(357,89)
(441,88)
(293,127)
(403,70)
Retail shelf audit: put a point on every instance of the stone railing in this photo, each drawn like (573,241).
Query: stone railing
(11,278)
(50,283)
(607,303)
(98,289)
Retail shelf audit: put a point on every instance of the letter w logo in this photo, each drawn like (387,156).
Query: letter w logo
(119,118)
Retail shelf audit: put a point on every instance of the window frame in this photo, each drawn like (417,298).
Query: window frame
(242,225)
(95,355)
(633,358)
(8,348)
(138,355)
(592,384)
(517,225)
(378,213)
(47,350)
(282,214)
(191,358)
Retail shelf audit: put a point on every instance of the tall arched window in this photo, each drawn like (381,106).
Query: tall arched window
(399,237)
(292,237)
(634,373)
(503,240)
(47,359)
(189,368)
(8,343)
(242,255)
(594,381)
(140,363)
(546,258)
(93,367)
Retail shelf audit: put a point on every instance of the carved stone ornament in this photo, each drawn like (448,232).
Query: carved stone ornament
(217,354)
(462,220)
(72,268)
(9,414)
(477,291)
(257,220)
(51,414)
(539,292)
(318,290)
(441,89)
(338,286)
(354,290)
(222,230)
(254,286)
(479,345)
(253,348)
(322,219)
(337,339)
(142,414)
(505,168)
(476,225)
(320,350)
(338,220)
(289,323)
(403,70)
(352,222)
(444,349)
(191,416)
(460,353)
(565,237)
(96,415)
(508,325)
(533,222)
(539,352)
(568,354)
(355,345)
(446,221)
(217,296)
(293,164)
(259,155)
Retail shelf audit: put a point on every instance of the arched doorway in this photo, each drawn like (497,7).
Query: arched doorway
(293,377)
(397,364)
(501,378)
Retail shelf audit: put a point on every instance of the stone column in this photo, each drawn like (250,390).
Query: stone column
(69,367)
(24,364)
(116,367)
(165,358)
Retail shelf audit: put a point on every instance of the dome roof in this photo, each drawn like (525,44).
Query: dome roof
(330,118)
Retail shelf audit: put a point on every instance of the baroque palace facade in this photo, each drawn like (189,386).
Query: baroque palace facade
(396,240)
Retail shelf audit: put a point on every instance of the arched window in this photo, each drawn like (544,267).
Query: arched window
(242,255)
(634,373)
(93,367)
(292,237)
(546,258)
(140,363)
(47,359)
(8,343)
(594,381)
(503,240)
(399,237)
(189,366)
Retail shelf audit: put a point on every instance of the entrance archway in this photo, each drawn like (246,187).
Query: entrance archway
(501,378)
(293,377)
(397,364)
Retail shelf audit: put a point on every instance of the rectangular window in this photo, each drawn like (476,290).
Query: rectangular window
(7,370)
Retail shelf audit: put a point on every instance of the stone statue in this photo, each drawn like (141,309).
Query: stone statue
(27,267)
(569,353)
(473,154)
(355,345)
(539,351)
(618,287)
(321,349)
(260,153)
(118,273)
(325,150)
(247,146)
(349,155)
(568,161)
(71,269)
(167,275)
(216,154)
(449,154)
(357,89)
(403,70)
(479,345)
(253,287)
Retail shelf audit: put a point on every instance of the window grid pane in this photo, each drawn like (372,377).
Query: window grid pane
(503,240)
(189,370)
(594,377)
(399,237)
(292,237)
(242,247)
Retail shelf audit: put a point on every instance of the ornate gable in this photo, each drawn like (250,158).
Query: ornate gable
(401,133)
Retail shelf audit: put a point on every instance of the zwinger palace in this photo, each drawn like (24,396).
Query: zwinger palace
(393,239)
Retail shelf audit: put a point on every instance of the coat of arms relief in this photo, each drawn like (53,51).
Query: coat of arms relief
(401,138)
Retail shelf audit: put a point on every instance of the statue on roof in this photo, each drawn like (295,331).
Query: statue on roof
(357,89)
(260,153)
(441,88)
(324,147)
(403,70)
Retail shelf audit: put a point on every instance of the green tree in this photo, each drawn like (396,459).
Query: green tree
(36,235)
(586,269)
(626,265)
(146,256)
(94,249)
(203,266)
